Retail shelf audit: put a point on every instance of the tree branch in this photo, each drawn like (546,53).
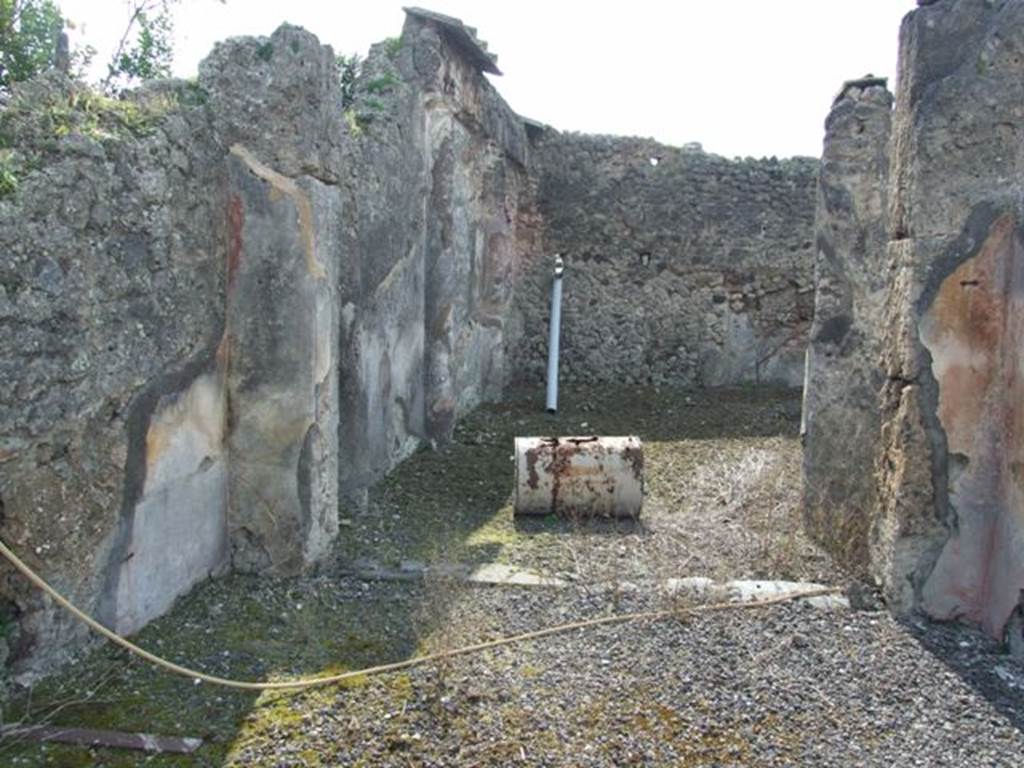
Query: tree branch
(139,7)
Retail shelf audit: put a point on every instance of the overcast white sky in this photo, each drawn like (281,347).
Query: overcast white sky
(743,77)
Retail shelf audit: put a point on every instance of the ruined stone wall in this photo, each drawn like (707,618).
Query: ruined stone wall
(681,267)
(274,108)
(170,282)
(844,359)
(113,466)
(949,535)
(437,169)
(232,302)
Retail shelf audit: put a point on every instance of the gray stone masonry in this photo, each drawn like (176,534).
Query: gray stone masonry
(844,362)
(949,534)
(232,305)
(682,267)
(234,302)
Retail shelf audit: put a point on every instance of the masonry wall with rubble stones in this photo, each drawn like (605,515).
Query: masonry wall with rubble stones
(229,304)
(915,368)
(682,267)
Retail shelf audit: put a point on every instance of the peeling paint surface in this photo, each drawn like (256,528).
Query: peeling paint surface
(974,331)
(388,340)
(282,185)
(282,380)
(178,535)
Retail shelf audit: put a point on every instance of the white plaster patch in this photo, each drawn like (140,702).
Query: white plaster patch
(178,534)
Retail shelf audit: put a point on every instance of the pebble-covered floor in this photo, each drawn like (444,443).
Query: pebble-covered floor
(790,685)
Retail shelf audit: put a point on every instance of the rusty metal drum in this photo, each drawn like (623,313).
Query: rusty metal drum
(579,476)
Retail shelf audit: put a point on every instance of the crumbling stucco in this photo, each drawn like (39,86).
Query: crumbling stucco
(949,536)
(437,173)
(254,305)
(844,371)
(111,412)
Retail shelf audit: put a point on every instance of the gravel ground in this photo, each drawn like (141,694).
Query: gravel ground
(785,686)
(789,685)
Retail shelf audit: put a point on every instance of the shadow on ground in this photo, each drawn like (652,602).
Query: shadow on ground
(238,627)
(979,660)
(456,503)
(450,505)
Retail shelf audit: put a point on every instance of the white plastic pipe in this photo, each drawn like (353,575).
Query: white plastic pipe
(554,332)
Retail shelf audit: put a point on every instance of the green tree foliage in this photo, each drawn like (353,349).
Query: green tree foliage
(28,38)
(145,50)
(348,70)
(29,30)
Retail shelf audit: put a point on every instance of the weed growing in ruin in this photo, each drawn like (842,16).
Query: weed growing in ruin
(392,46)
(265,52)
(353,122)
(349,68)
(192,94)
(382,84)
(8,174)
(51,114)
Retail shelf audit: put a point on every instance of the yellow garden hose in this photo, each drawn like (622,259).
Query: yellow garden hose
(310,682)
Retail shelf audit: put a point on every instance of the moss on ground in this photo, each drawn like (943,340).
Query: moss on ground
(238,627)
(452,504)
(461,495)
(455,504)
